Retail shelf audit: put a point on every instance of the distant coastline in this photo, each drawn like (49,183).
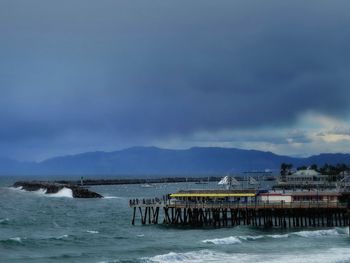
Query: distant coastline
(157,162)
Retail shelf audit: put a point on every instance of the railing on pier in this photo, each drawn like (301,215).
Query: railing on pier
(259,205)
(227,204)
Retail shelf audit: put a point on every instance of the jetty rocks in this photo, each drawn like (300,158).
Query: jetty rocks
(53,188)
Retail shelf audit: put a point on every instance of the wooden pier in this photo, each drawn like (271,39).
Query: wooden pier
(257,214)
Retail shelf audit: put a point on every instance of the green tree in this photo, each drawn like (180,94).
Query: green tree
(314,167)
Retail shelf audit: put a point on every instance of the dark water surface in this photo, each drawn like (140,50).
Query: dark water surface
(39,228)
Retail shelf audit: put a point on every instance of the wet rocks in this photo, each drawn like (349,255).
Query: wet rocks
(53,187)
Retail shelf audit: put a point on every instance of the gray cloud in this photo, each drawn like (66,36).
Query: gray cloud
(139,70)
(336,131)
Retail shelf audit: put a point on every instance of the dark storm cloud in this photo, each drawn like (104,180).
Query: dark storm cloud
(147,69)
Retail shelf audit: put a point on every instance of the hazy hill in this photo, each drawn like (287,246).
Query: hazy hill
(156,161)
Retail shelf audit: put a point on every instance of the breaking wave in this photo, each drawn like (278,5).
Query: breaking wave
(278,236)
(247,238)
(16,239)
(336,255)
(317,233)
(4,221)
(305,234)
(223,241)
(31,240)
(193,256)
(11,240)
(62,237)
(64,192)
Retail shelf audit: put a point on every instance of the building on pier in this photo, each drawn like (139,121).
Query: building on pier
(230,208)
(252,196)
(300,196)
(215,196)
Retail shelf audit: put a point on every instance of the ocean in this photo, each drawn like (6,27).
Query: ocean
(35,227)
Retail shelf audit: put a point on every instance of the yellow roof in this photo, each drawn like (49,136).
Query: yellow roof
(213,195)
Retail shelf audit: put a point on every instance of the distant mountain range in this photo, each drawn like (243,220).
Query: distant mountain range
(152,161)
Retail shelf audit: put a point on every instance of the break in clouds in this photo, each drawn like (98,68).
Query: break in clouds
(86,75)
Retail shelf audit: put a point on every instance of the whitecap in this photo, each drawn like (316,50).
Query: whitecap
(4,220)
(238,239)
(197,257)
(92,231)
(140,235)
(223,241)
(316,233)
(278,236)
(62,237)
(251,237)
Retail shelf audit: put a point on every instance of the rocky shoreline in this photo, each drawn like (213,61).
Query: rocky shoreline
(53,187)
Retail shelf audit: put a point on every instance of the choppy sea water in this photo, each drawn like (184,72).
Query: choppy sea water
(35,227)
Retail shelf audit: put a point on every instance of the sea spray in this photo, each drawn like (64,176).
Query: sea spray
(64,192)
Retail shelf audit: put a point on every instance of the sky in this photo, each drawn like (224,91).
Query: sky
(83,75)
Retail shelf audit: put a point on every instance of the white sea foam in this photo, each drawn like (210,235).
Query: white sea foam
(305,234)
(251,237)
(140,235)
(335,255)
(223,241)
(238,239)
(20,188)
(41,191)
(92,231)
(278,236)
(317,233)
(193,256)
(62,237)
(64,192)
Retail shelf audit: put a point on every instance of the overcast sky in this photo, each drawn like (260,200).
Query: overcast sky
(87,75)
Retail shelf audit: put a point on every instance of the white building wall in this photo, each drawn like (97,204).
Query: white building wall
(276,198)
